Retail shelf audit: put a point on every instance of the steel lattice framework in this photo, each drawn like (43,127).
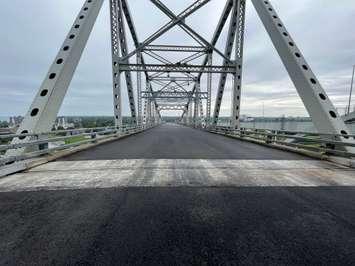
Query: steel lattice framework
(177,84)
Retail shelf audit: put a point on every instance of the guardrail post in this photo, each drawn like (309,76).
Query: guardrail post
(269,137)
(43,146)
(93,136)
(242,132)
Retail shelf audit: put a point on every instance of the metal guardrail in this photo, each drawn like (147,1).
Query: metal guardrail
(322,143)
(37,143)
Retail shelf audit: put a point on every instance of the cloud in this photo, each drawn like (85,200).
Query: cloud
(33,31)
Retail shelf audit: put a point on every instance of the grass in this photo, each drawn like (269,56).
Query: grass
(74,139)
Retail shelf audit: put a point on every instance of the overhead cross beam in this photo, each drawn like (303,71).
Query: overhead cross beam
(176,68)
(174,48)
(187,28)
(183,15)
(173,95)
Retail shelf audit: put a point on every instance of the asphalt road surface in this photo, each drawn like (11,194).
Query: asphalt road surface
(179,226)
(171,141)
(252,222)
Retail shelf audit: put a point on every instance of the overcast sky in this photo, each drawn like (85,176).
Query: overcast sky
(32,31)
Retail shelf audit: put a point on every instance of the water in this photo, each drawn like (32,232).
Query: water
(306,126)
(4,118)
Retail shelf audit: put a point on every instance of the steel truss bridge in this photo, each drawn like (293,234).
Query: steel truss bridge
(190,193)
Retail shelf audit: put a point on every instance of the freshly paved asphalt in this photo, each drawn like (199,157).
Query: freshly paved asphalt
(180,225)
(170,141)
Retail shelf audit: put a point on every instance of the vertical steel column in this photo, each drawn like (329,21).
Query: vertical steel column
(200,106)
(237,81)
(190,112)
(117,101)
(46,104)
(209,91)
(184,119)
(139,89)
(227,52)
(144,112)
(323,113)
(351,90)
(197,103)
(149,111)
(146,107)
(124,51)
(153,113)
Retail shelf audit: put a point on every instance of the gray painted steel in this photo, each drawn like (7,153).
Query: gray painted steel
(236,21)
(237,77)
(116,74)
(124,50)
(320,108)
(46,104)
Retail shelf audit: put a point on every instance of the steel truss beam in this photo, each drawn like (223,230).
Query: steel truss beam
(177,68)
(172,78)
(134,35)
(196,104)
(173,95)
(183,15)
(222,21)
(233,25)
(163,60)
(209,90)
(174,92)
(175,48)
(46,104)
(171,107)
(139,89)
(187,28)
(200,105)
(324,115)
(116,74)
(237,78)
(124,50)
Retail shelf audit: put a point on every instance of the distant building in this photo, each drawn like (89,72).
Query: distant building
(15,121)
(245,118)
(62,122)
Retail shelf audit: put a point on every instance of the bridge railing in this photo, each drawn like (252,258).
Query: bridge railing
(36,144)
(327,144)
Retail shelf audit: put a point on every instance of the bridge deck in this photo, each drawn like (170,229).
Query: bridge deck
(171,141)
(259,206)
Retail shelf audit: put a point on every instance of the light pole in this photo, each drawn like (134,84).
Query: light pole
(351,88)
